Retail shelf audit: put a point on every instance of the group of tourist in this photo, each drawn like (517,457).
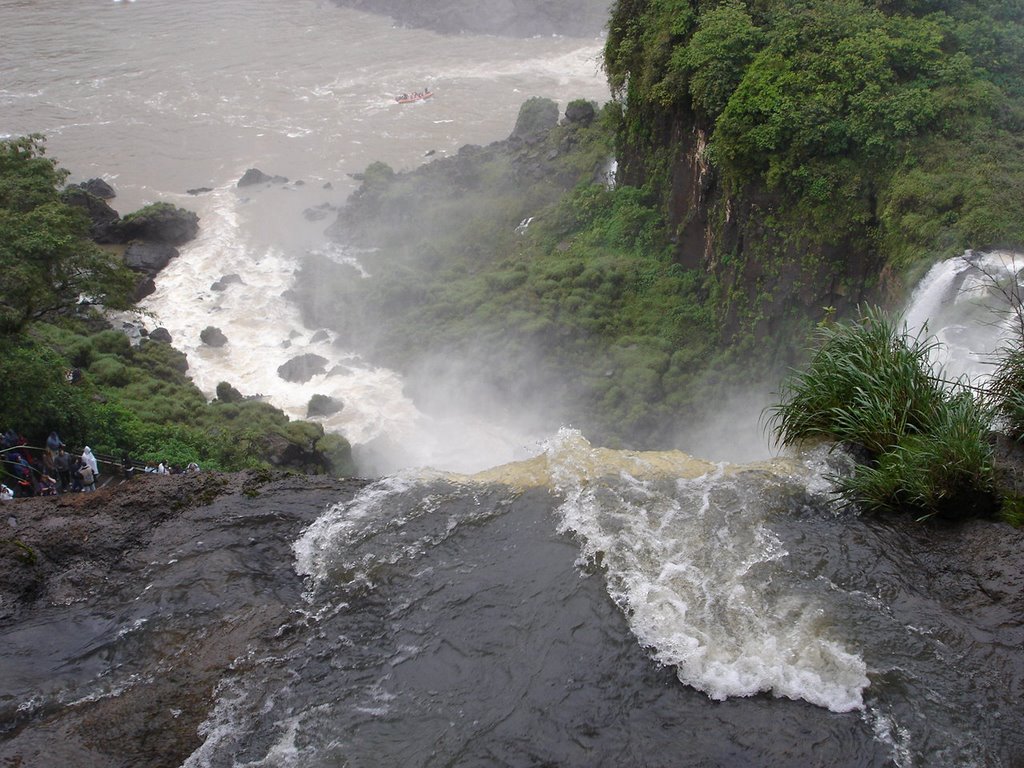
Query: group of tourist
(45,473)
(53,470)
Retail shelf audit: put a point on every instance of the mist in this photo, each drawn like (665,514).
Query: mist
(733,428)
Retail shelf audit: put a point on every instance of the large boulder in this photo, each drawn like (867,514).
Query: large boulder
(97,188)
(144,286)
(161,335)
(159,223)
(225,281)
(580,112)
(536,118)
(256,176)
(104,218)
(302,368)
(213,336)
(323,405)
(149,258)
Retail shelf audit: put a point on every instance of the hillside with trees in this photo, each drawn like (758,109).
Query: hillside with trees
(64,369)
(810,155)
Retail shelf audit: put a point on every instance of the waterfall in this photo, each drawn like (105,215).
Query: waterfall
(969,304)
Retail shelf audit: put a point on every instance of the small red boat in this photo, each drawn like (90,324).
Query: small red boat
(409,98)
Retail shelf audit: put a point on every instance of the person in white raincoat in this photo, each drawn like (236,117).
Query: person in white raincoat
(89,459)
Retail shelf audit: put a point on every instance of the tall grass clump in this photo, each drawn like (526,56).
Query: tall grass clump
(866,385)
(1005,389)
(923,440)
(945,469)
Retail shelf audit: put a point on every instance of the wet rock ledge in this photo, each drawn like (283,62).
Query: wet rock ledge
(104,559)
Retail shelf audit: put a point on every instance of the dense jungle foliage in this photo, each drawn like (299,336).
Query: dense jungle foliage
(857,142)
(893,126)
(123,399)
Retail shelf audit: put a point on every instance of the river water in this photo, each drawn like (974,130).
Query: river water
(493,598)
(162,96)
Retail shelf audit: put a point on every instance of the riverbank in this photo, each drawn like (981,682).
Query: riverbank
(87,688)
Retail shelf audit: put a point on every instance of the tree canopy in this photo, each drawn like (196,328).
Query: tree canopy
(897,123)
(47,260)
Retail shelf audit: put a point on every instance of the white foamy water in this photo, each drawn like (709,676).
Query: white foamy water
(690,558)
(688,554)
(159,97)
(968,305)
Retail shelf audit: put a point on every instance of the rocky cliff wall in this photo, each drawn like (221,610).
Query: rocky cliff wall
(769,275)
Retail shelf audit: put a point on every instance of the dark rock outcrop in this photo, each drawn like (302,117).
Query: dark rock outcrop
(213,336)
(98,188)
(144,286)
(159,223)
(149,258)
(161,335)
(537,116)
(319,212)
(323,405)
(581,112)
(86,548)
(256,176)
(302,368)
(104,218)
(224,282)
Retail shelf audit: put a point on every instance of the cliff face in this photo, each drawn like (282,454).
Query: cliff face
(806,155)
(766,280)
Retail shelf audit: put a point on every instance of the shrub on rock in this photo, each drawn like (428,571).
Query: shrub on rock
(323,405)
(160,223)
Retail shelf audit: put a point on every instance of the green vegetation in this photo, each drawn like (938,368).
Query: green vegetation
(775,158)
(846,138)
(584,307)
(127,399)
(1006,389)
(46,258)
(138,400)
(925,440)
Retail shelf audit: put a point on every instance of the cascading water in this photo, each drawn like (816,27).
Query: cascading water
(564,605)
(969,304)
(598,607)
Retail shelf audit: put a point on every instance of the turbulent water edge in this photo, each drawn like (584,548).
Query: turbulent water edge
(517,617)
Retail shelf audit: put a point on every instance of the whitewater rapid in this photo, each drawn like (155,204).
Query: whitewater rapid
(686,547)
(969,305)
(162,97)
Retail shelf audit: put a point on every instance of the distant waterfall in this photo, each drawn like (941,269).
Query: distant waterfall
(967,303)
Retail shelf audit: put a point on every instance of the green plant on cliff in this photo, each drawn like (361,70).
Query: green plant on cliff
(1006,388)
(925,440)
